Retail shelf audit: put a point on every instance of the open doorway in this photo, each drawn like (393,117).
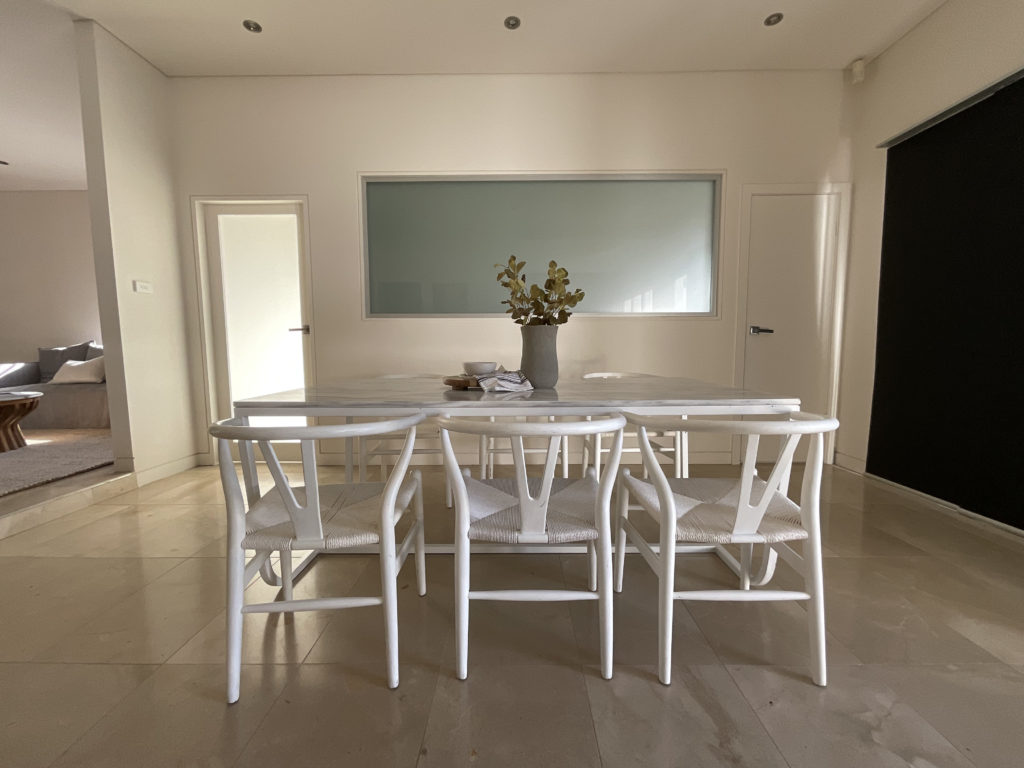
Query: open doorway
(255,276)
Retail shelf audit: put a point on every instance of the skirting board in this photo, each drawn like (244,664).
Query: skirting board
(947,507)
(851,463)
(151,475)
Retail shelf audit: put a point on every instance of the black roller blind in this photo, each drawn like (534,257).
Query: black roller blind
(949,376)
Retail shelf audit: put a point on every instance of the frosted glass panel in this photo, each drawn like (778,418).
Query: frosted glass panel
(262,300)
(631,245)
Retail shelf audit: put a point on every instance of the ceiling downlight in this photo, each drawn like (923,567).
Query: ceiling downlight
(773,19)
(252,26)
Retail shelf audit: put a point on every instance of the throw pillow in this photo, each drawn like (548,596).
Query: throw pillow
(50,360)
(95,350)
(81,372)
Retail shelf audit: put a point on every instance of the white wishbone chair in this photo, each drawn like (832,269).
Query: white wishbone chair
(489,449)
(315,517)
(746,512)
(679,450)
(535,510)
(383,448)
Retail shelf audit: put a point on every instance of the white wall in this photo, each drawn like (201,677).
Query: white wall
(965,46)
(48,285)
(313,135)
(127,121)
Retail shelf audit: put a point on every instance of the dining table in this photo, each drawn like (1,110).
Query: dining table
(649,395)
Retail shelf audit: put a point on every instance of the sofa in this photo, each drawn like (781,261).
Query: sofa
(63,406)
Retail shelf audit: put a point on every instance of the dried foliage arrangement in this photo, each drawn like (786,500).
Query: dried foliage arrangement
(549,305)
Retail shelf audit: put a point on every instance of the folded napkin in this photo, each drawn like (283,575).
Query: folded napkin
(504,381)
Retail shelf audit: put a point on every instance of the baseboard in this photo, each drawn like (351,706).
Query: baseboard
(947,507)
(851,463)
(54,508)
(151,475)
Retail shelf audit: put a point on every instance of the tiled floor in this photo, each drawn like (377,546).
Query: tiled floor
(112,645)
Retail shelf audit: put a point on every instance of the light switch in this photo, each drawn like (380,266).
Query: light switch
(141,286)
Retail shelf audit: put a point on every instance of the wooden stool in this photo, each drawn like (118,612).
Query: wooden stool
(14,406)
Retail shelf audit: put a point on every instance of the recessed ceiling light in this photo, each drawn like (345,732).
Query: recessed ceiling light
(253,26)
(513,22)
(772,20)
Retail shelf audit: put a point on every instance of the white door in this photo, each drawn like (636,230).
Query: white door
(789,346)
(258,300)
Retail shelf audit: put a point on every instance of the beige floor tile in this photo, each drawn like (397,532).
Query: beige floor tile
(855,721)
(339,715)
(979,708)
(635,612)
(151,624)
(512,632)
(848,534)
(536,716)
(201,485)
(45,613)
(998,565)
(701,718)
(988,616)
(21,543)
(279,638)
(881,626)
(140,531)
(178,717)
(356,636)
(45,708)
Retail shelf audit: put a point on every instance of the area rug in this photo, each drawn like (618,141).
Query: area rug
(53,454)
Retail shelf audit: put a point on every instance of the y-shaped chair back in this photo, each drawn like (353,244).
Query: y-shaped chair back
(533,509)
(302,503)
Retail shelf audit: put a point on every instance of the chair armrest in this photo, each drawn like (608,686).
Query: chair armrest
(18,374)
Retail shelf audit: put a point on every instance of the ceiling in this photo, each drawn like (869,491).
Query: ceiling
(329,37)
(40,118)
(40,112)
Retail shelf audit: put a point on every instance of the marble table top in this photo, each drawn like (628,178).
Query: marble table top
(646,395)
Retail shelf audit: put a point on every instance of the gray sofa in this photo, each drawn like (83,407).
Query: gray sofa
(63,406)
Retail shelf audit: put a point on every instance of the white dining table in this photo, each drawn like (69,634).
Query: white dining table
(654,396)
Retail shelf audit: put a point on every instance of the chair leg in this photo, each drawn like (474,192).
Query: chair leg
(597,455)
(235,600)
(592,569)
(604,581)
(389,592)
(286,573)
(483,457)
(677,453)
(666,601)
(565,456)
(361,441)
(421,552)
(746,557)
(685,446)
(815,586)
(461,606)
(622,496)
(447,491)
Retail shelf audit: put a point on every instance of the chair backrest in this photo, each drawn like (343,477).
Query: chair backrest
(305,516)
(618,375)
(749,511)
(533,510)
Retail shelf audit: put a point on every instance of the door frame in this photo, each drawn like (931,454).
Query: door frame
(208,304)
(835,300)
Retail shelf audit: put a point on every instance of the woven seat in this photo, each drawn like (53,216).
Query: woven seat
(706,509)
(350,515)
(494,509)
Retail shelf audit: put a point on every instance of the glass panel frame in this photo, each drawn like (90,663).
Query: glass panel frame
(717,178)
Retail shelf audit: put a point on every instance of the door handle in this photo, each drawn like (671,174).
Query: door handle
(757,329)
(305,329)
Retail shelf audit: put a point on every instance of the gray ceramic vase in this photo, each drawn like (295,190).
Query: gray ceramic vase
(540,355)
